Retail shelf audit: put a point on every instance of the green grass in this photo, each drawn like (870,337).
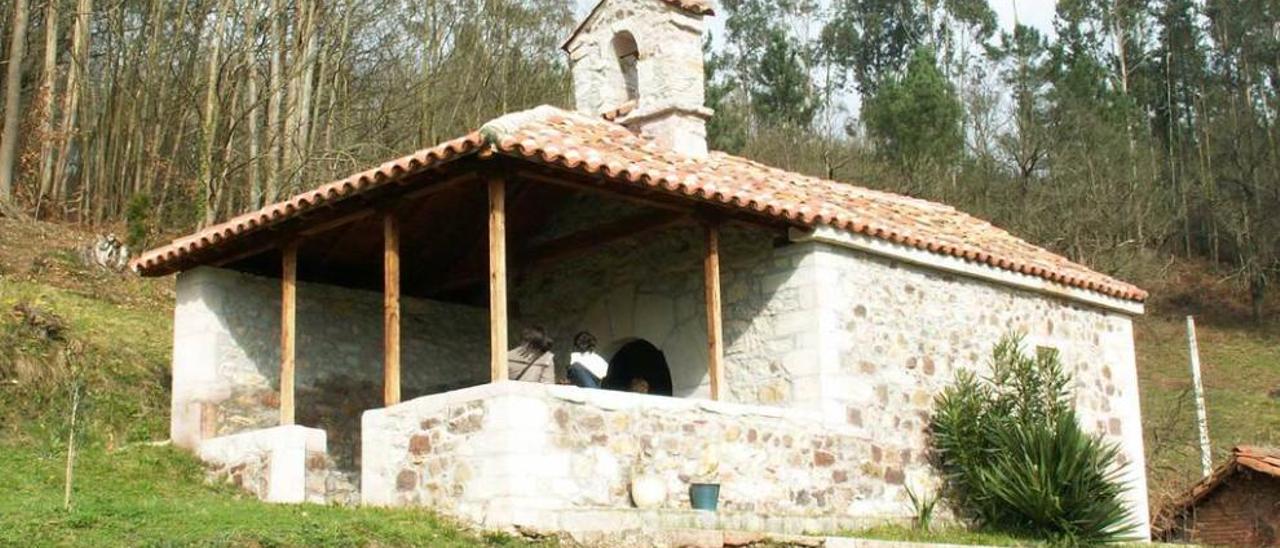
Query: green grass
(155,496)
(938,535)
(119,355)
(128,492)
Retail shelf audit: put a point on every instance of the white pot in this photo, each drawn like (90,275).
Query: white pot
(648,491)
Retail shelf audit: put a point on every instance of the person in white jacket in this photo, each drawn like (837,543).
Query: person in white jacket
(587,369)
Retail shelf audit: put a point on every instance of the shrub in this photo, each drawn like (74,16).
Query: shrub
(1015,458)
(139,222)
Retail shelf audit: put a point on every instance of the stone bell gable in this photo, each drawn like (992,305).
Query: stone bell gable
(640,63)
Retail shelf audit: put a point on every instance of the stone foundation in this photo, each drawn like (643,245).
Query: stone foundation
(287,464)
(524,455)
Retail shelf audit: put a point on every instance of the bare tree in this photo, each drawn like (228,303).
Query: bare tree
(13,99)
(45,99)
(71,105)
(209,127)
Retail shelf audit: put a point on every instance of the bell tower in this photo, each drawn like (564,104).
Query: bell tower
(639,63)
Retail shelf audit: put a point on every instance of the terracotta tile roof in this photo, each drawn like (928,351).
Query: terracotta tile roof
(163,257)
(594,146)
(622,110)
(1258,459)
(1262,460)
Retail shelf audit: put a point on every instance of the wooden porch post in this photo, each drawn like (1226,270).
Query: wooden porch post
(715,335)
(391,310)
(497,279)
(288,330)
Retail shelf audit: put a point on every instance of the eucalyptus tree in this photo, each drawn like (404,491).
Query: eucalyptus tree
(872,40)
(773,60)
(1023,55)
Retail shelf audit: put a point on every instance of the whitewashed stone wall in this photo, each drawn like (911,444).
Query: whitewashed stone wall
(892,336)
(553,457)
(652,288)
(226,355)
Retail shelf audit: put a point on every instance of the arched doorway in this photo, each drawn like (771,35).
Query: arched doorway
(639,359)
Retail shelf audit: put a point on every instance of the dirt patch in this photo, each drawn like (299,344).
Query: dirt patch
(50,254)
(1194,287)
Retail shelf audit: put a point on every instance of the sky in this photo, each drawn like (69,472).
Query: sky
(1036,13)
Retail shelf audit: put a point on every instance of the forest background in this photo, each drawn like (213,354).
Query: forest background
(1133,135)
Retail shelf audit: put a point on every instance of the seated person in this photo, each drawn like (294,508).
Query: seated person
(533,360)
(638,386)
(586,367)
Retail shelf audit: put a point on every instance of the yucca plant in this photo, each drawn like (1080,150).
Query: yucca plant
(1016,460)
(923,504)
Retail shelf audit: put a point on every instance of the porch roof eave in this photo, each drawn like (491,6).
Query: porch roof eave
(413,178)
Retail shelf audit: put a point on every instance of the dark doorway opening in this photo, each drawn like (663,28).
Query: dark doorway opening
(639,359)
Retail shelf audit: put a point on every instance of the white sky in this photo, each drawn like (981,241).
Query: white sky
(1037,13)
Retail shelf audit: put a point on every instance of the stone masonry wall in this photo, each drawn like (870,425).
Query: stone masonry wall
(226,356)
(519,454)
(652,288)
(893,336)
(286,464)
(669,71)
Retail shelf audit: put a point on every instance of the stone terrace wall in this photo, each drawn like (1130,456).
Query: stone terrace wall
(894,334)
(518,454)
(286,464)
(226,356)
(652,289)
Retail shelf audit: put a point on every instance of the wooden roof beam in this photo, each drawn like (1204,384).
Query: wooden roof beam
(576,244)
(335,217)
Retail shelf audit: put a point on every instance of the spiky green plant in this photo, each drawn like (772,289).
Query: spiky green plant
(1016,460)
(923,504)
(1054,480)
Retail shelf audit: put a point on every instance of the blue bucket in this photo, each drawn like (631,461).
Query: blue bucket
(704,496)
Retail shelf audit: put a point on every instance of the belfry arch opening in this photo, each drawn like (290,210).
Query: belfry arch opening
(628,54)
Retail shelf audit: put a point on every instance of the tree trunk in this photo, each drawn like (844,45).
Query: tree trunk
(251,97)
(46,98)
(299,98)
(209,128)
(13,100)
(274,141)
(71,106)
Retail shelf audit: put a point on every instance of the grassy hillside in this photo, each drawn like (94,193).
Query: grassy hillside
(116,346)
(1241,369)
(156,496)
